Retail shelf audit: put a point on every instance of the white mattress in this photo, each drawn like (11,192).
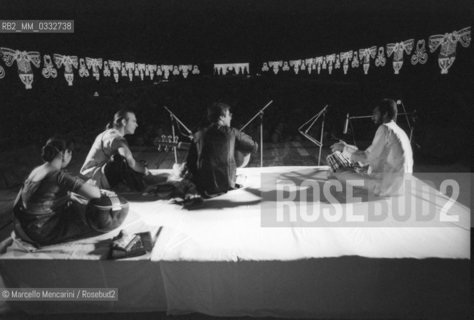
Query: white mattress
(219,260)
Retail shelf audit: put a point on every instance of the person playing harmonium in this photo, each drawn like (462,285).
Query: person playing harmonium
(389,157)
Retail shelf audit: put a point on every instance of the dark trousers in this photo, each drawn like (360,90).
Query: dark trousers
(118,171)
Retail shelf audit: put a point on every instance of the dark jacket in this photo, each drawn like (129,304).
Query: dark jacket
(211,158)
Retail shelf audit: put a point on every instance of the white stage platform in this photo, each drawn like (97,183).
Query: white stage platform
(222,259)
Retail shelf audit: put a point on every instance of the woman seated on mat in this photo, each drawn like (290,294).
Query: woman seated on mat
(46,211)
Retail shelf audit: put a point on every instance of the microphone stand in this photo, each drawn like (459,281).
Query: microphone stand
(259,113)
(174,119)
(313,120)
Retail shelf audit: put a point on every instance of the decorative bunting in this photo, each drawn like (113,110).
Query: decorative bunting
(175,71)
(310,64)
(380,60)
(365,55)
(196,70)
(337,64)
(166,71)
(69,63)
(185,70)
(48,69)
(123,70)
(275,65)
(107,72)
(355,60)
(141,67)
(286,66)
(23,61)
(397,50)
(345,57)
(448,43)
(83,72)
(318,61)
(94,64)
(330,59)
(325,64)
(265,67)
(115,66)
(296,64)
(239,68)
(420,55)
(129,68)
(151,70)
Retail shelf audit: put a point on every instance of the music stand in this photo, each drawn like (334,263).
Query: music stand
(312,121)
(174,119)
(259,113)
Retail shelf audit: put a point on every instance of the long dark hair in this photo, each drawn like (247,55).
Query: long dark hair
(118,117)
(55,146)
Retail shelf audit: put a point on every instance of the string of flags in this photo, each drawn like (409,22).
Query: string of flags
(416,52)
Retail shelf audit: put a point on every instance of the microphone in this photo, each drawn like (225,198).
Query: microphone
(346,125)
(399,102)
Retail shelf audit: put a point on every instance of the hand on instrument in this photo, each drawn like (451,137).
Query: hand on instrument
(107,193)
(338,146)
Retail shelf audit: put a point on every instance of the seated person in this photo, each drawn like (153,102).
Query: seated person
(389,157)
(211,159)
(110,161)
(45,212)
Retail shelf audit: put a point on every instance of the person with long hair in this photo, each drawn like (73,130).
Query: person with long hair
(110,163)
(45,211)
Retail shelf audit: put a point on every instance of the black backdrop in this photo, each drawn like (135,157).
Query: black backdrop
(206,32)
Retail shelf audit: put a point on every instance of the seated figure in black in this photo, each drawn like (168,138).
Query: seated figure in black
(211,159)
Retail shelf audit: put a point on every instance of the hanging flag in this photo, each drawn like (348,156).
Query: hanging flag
(380,60)
(337,64)
(296,64)
(48,67)
(23,61)
(265,67)
(107,72)
(129,68)
(196,70)
(330,59)
(95,64)
(141,68)
(448,43)
(167,69)
(397,49)
(175,71)
(115,66)
(151,70)
(237,68)
(355,60)
(83,72)
(185,70)
(310,64)
(420,55)
(69,63)
(286,66)
(318,61)
(365,55)
(345,57)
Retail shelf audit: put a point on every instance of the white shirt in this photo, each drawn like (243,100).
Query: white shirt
(389,156)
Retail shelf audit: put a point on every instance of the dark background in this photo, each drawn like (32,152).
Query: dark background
(207,32)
